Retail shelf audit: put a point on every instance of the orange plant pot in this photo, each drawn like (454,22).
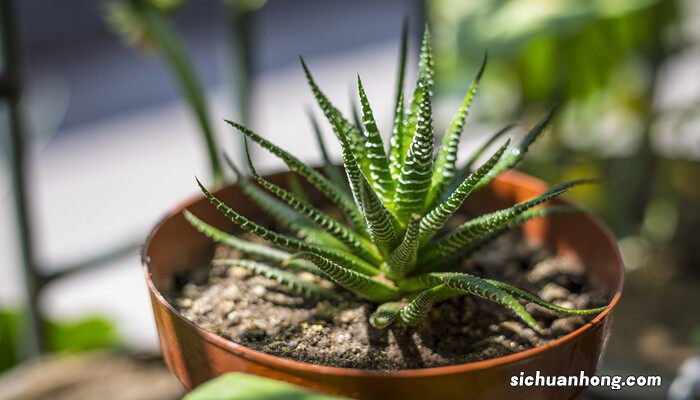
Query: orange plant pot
(195,355)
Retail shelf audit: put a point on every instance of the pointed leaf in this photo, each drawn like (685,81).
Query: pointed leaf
(293,282)
(287,242)
(530,298)
(358,244)
(487,223)
(329,168)
(437,217)
(395,151)
(352,131)
(403,259)
(479,287)
(337,196)
(380,222)
(445,161)
(474,245)
(378,164)
(385,315)
(424,87)
(265,252)
(360,284)
(284,215)
(512,158)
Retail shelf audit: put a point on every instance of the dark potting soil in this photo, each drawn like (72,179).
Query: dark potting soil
(262,315)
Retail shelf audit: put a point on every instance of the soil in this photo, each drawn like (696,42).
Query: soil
(262,315)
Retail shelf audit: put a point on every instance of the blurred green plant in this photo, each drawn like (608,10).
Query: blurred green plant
(238,386)
(598,60)
(90,333)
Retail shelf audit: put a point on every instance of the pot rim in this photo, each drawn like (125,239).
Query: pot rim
(286,363)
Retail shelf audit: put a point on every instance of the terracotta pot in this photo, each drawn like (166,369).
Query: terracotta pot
(196,355)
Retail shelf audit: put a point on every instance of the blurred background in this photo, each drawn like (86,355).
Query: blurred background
(109,108)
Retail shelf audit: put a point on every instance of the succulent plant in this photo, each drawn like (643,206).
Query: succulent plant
(391,246)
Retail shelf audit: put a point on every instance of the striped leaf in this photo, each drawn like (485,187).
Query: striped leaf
(356,243)
(446,158)
(458,282)
(320,182)
(378,164)
(284,215)
(416,310)
(265,252)
(403,259)
(466,169)
(288,279)
(436,218)
(476,286)
(512,158)
(289,243)
(424,87)
(480,242)
(395,151)
(352,131)
(530,298)
(482,149)
(352,168)
(385,315)
(416,173)
(380,222)
(485,224)
(360,284)
(329,167)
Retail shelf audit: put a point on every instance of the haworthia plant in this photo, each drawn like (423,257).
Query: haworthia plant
(390,244)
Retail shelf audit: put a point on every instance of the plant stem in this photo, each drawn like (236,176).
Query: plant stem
(174,54)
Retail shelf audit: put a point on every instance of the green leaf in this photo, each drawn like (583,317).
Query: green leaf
(380,222)
(468,284)
(396,153)
(351,131)
(396,150)
(478,243)
(457,239)
(530,298)
(265,252)
(437,217)
(239,386)
(385,315)
(479,287)
(416,173)
(360,284)
(403,259)
(378,164)
(418,307)
(352,168)
(329,168)
(512,158)
(288,279)
(446,159)
(356,243)
(466,169)
(320,182)
(287,242)
(481,150)
(284,215)
(423,89)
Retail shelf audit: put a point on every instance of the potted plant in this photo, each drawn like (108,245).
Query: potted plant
(401,274)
